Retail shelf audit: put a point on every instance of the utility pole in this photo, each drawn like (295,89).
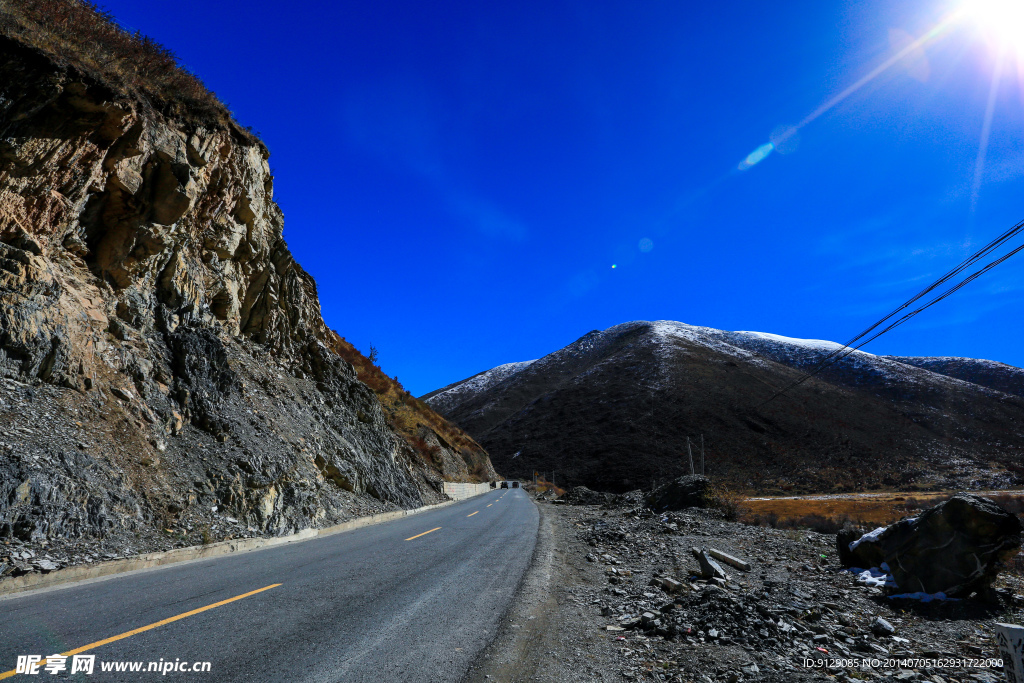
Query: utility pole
(702,455)
(688,450)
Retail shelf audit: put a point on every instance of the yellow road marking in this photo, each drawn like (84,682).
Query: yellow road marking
(162,622)
(472,513)
(490,505)
(424,533)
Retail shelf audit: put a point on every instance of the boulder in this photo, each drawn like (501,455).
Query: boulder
(858,550)
(956,547)
(685,492)
(880,627)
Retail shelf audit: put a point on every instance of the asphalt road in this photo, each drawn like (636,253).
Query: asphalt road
(415,599)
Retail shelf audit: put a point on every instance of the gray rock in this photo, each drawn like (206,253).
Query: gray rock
(956,547)
(228,382)
(123,394)
(881,627)
(671,585)
(864,555)
(709,569)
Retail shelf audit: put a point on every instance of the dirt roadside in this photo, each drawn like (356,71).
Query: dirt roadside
(591,609)
(549,635)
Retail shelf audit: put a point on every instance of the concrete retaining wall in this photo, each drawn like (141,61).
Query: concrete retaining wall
(459,491)
(18,584)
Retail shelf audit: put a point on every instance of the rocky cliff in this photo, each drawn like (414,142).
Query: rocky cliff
(164,359)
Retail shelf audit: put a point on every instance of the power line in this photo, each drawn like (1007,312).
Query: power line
(852,345)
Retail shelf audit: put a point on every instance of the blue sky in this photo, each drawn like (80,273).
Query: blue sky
(460,177)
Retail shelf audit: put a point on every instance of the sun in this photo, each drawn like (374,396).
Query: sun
(1002,21)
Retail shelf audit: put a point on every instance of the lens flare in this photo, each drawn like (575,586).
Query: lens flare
(757,156)
(786,138)
(1002,21)
(645,245)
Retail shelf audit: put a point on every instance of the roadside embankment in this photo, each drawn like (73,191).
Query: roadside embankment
(101,570)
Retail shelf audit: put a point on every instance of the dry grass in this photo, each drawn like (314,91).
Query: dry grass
(83,35)
(824,514)
(862,511)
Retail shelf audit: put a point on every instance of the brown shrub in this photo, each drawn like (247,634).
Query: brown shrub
(812,521)
(731,503)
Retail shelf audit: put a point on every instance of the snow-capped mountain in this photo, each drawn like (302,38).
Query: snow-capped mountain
(613,409)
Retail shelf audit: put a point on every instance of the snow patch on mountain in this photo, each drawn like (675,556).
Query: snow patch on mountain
(708,337)
(813,344)
(455,393)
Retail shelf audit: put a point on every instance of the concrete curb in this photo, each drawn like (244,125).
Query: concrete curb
(27,582)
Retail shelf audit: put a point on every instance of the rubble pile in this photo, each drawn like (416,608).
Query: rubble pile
(581,495)
(691,491)
(668,593)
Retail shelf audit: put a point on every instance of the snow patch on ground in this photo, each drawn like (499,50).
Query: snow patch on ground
(962,359)
(860,366)
(875,577)
(923,597)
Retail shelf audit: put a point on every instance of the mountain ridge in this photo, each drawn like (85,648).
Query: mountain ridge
(899,416)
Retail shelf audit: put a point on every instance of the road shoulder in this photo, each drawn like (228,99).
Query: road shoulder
(547,634)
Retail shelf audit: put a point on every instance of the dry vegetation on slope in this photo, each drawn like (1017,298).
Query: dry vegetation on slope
(423,429)
(82,34)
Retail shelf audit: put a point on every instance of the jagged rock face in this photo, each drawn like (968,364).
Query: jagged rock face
(177,227)
(164,352)
(625,407)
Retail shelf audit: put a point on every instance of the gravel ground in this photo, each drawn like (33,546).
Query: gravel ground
(593,608)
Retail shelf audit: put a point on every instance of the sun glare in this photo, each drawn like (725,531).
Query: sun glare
(1001,20)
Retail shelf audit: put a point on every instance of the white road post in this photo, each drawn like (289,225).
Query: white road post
(1010,641)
